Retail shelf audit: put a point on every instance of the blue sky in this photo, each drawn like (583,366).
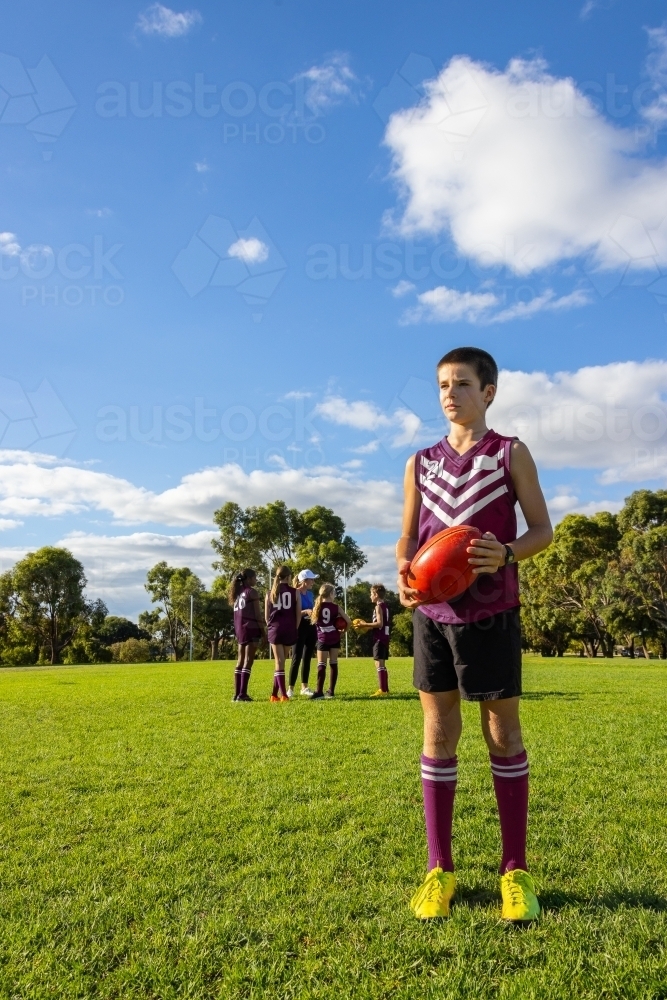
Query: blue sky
(235,239)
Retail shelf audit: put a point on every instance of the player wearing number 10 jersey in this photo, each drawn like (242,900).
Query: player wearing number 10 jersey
(283,614)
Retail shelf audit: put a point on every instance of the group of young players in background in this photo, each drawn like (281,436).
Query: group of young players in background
(297,623)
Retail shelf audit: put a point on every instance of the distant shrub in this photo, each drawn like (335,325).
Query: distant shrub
(401,643)
(19,656)
(131,651)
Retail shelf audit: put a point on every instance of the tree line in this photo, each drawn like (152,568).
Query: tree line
(600,585)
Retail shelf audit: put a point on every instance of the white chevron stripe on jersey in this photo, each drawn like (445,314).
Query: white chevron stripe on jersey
(461,518)
(434,469)
(455,502)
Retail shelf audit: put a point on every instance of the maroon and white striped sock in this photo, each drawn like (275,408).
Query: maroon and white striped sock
(383,679)
(510,781)
(237,681)
(279,683)
(439,788)
(321,677)
(244,680)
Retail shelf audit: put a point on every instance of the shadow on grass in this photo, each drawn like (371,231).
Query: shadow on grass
(404,696)
(541,695)
(646,900)
(554,900)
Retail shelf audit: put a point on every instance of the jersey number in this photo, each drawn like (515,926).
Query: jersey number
(326,615)
(240,603)
(284,601)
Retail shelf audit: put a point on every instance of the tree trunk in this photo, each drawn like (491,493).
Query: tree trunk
(215,644)
(663,650)
(645,651)
(631,647)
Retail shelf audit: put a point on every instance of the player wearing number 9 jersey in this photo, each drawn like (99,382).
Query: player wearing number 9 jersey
(324,615)
(283,614)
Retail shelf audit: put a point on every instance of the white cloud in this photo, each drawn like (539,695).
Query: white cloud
(160,20)
(608,417)
(521,169)
(400,427)
(116,565)
(331,83)
(201,166)
(402,288)
(588,9)
(367,449)
(30,487)
(656,71)
(9,245)
(381,565)
(448,305)
(250,251)
(360,414)
(546,302)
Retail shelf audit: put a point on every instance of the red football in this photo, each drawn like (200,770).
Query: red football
(440,571)
(340,624)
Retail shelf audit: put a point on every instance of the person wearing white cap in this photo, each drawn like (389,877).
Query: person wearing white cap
(306,637)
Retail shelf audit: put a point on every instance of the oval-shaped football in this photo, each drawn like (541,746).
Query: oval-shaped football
(440,570)
(341,624)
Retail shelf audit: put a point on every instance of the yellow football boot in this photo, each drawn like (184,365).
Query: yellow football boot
(434,895)
(519,900)
(380,694)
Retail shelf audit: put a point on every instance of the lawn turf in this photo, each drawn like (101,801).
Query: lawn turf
(158,841)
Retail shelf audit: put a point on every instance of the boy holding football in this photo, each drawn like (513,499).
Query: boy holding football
(471,648)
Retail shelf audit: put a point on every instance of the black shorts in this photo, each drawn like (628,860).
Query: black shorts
(325,647)
(481,659)
(380,650)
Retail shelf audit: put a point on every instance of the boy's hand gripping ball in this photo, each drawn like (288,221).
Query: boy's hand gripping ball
(340,624)
(440,570)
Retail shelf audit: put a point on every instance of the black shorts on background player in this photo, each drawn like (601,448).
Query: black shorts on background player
(380,651)
(482,659)
(324,647)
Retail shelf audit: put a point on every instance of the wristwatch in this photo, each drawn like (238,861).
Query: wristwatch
(509,556)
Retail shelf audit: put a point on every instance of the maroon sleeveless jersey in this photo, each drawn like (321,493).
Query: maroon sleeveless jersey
(474,488)
(246,625)
(382,634)
(281,624)
(327,633)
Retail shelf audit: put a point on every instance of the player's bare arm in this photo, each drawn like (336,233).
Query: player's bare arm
(406,546)
(257,608)
(487,554)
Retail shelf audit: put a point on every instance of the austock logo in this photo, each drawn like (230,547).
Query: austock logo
(219,256)
(36,98)
(34,421)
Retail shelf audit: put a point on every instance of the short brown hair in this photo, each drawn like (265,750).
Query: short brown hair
(379,589)
(481,362)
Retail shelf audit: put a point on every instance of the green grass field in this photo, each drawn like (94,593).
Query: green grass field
(158,841)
